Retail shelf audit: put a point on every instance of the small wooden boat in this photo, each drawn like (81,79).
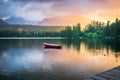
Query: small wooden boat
(52,46)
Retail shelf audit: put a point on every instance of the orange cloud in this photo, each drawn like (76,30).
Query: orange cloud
(65,20)
(65,12)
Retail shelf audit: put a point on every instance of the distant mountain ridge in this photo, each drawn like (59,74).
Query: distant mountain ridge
(15,20)
(3,23)
(5,26)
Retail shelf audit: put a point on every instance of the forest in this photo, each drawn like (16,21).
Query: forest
(95,29)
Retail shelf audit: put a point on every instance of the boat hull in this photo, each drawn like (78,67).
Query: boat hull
(52,46)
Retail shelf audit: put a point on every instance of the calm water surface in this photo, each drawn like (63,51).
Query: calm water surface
(78,59)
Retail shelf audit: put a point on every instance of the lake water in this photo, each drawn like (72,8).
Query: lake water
(78,59)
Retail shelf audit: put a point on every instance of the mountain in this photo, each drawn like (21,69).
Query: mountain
(5,26)
(3,23)
(16,20)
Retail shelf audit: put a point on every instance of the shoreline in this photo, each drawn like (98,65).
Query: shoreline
(31,38)
(2,38)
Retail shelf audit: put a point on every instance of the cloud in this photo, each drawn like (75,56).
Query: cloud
(64,20)
(3,1)
(5,18)
(36,0)
(35,11)
(31,11)
(29,15)
(45,11)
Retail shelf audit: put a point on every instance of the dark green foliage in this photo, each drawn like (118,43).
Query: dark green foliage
(76,31)
(93,30)
(67,32)
(10,33)
(71,33)
(112,30)
(102,30)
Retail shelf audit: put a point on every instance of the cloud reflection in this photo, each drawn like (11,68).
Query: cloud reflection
(26,59)
(30,58)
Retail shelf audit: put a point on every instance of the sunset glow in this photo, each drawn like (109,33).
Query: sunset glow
(59,12)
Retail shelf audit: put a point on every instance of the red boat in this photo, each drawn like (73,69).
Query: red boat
(52,46)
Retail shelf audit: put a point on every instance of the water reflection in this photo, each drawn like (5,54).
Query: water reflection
(18,59)
(72,43)
(75,59)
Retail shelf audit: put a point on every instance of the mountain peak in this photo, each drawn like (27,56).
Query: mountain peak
(3,23)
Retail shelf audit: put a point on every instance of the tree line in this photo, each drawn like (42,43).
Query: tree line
(95,29)
(15,33)
(98,29)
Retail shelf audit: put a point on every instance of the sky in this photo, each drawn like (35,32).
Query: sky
(58,12)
